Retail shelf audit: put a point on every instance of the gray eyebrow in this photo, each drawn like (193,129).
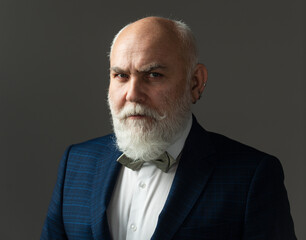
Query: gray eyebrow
(150,67)
(147,68)
(117,69)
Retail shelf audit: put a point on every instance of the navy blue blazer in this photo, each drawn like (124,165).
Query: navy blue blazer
(222,190)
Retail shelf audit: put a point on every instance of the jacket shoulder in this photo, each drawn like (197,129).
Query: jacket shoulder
(228,148)
(223,149)
(100,144)
(229,145)
(88,152)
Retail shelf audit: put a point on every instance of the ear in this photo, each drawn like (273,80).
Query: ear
(198,82)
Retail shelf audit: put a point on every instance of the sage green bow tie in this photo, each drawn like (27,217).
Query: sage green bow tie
(164,162)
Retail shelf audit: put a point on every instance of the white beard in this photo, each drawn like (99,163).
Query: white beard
(146,139)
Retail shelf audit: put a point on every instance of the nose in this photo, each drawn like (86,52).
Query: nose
(135,92)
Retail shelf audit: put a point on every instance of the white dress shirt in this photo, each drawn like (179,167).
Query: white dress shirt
(139,196)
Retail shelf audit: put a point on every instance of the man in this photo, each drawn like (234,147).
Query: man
(162,176)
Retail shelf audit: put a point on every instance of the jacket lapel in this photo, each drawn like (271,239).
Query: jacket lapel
(194,170)
(107,169)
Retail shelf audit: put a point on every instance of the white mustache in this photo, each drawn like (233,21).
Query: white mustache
(138,109)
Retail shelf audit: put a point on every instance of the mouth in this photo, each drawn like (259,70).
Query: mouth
(137,117)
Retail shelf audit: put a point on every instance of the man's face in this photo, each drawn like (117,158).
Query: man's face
(146,69)
(149,96)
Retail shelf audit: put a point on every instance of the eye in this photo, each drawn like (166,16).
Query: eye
(154,75)
(121,76)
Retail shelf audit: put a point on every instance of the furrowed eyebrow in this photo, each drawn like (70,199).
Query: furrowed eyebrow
(117,70)
(151,67)
(144,69)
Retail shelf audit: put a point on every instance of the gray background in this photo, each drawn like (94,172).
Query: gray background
(54,78)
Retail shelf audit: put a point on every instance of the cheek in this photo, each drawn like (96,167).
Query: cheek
(114,100)
(163,99)
(168,98)
(116,94)
(173,93)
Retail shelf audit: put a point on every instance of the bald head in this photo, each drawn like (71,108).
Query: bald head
(162,31)
(153,82)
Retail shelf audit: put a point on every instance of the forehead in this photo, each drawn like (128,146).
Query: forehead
(142,54)
(146,43)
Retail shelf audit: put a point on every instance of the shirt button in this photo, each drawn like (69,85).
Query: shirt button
(142,185)
(133,227)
